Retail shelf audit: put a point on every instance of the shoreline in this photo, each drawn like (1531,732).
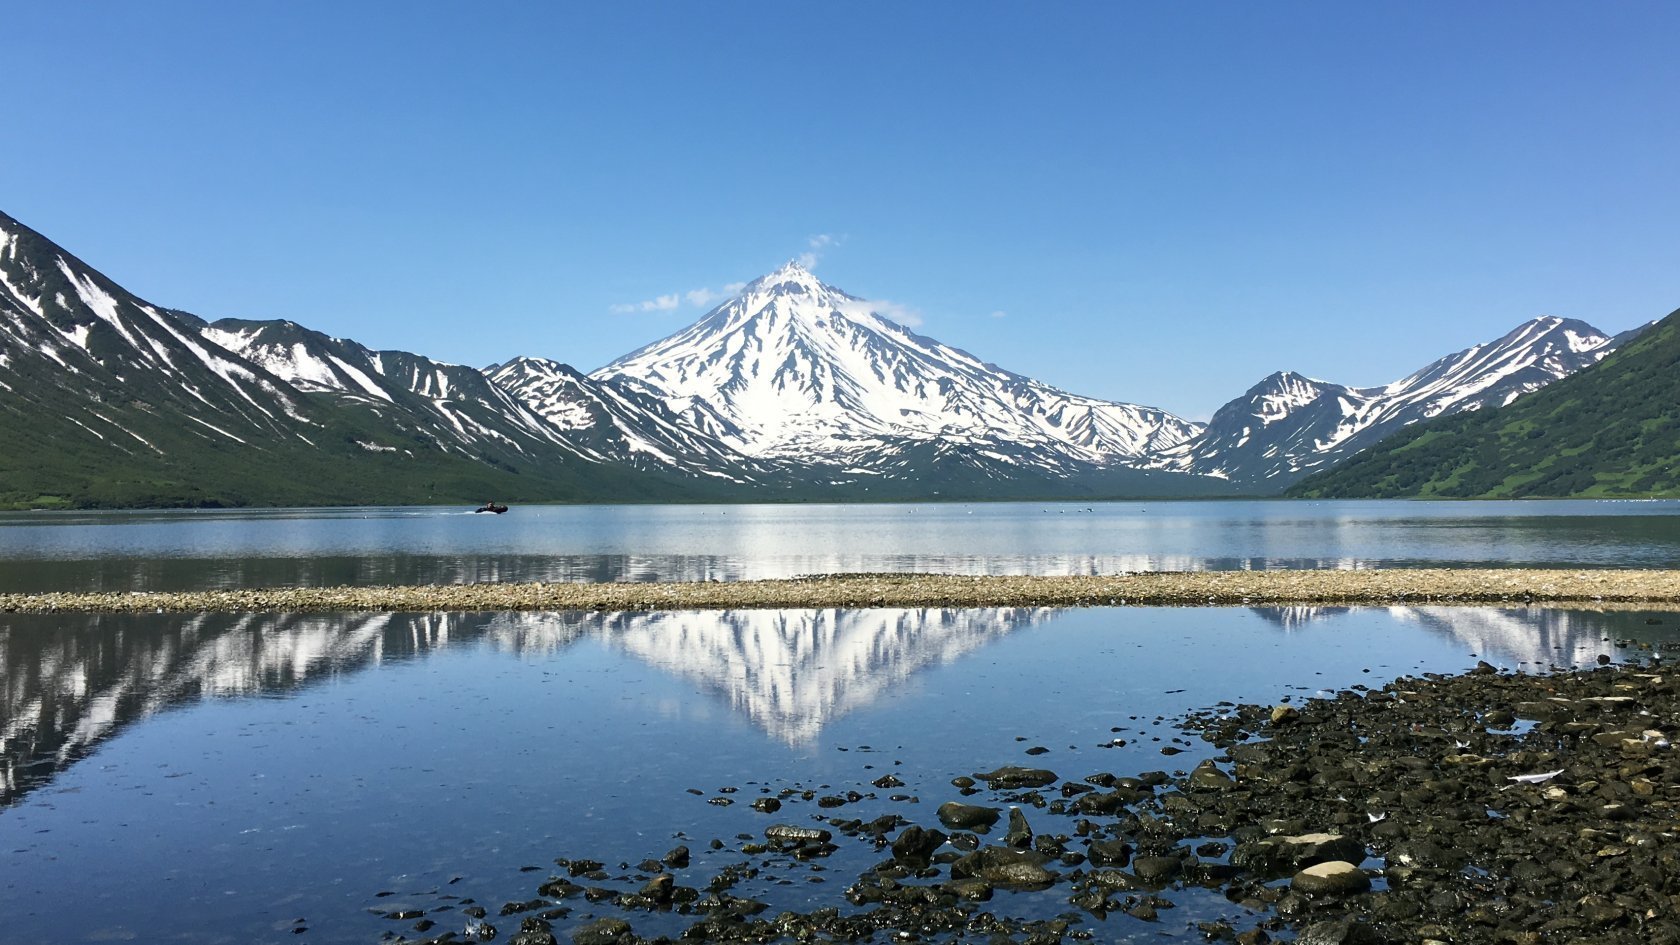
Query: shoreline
(1419,586)
(1484,807)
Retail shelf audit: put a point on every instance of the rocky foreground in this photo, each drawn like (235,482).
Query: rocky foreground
(1482,808)
(1196,588)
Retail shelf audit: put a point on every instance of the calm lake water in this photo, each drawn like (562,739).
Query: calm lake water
(224,778)
(300,547)
(235,778)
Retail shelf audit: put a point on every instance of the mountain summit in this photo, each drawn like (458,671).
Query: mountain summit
(795,369)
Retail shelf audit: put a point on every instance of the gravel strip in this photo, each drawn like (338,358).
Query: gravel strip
(1175,588)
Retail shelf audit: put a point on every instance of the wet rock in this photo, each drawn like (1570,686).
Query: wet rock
(677,858)
(1109,852)
(973,890)
(1348,931)
(791,833)
(1333,878)
(915,845)
(603,932)
(767,805)
(1208,775)
(1003,866)
(1285,715)
(659,888)
(1010,777)
(1020,834)
(968,816)
(1156,869)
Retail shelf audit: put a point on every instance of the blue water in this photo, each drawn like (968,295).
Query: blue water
(218,778)
(206,549)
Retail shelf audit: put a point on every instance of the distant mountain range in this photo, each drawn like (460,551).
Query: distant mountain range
(1610,431)
(791,390)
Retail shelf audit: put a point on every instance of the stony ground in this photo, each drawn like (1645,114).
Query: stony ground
(1258,588)
(1496,808)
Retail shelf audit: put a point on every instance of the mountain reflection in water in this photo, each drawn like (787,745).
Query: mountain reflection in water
(1509,637)
(72,681)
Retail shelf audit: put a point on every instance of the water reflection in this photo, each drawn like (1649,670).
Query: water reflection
(116,551)
(71,682)
(1527,637)
(792,672)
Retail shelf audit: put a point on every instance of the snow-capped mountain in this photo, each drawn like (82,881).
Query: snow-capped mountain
(792,369)
(1288,426)
(619,421)
(791,389)
(106,399)
(454,406)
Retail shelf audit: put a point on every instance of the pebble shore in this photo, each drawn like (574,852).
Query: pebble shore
(1169,588)
(1487,808)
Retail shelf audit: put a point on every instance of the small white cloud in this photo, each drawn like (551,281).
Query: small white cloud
(886,308)
(818,244)
(698,298)
(661,303)
(1000,313)
(899,312)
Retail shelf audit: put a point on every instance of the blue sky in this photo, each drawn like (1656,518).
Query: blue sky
(1157,203)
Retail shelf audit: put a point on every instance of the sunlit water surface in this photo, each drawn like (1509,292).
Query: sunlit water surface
(373,546)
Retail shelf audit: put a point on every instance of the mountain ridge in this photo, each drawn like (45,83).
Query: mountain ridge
(790,390)
(1610,430)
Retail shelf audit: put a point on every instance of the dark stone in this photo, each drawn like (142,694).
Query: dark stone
(967,816)
(1010,777)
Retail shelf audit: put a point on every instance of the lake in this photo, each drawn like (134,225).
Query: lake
(228,778)
(192,550)
(301,778)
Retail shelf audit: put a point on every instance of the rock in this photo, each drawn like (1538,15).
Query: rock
(1208,775)
(603,932)
(1109,852)
(915,845)
(1003,866)
(1285,714)
(1020,833)
(1331,878)
(659,888)
(968,816)
(767,805)
(973,890)
(789,833)
(677,858)
(1349,931)
(1156,869)
(1009,777)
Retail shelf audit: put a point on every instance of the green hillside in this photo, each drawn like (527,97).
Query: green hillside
(1612,430)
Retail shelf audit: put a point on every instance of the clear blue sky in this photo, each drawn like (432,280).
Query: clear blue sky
(1159,203)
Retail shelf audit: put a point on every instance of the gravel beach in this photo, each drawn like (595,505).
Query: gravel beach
(1173,588)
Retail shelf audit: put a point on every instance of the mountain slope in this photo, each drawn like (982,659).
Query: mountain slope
(1288,426)
(620,421)
(1610,430)
(107,400)
(795,370)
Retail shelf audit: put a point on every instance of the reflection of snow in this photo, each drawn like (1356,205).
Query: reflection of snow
(1508,637)
(794,671)
(70,682)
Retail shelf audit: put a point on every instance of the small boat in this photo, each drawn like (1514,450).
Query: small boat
(491,507)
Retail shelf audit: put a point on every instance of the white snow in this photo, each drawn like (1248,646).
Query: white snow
(806,372)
